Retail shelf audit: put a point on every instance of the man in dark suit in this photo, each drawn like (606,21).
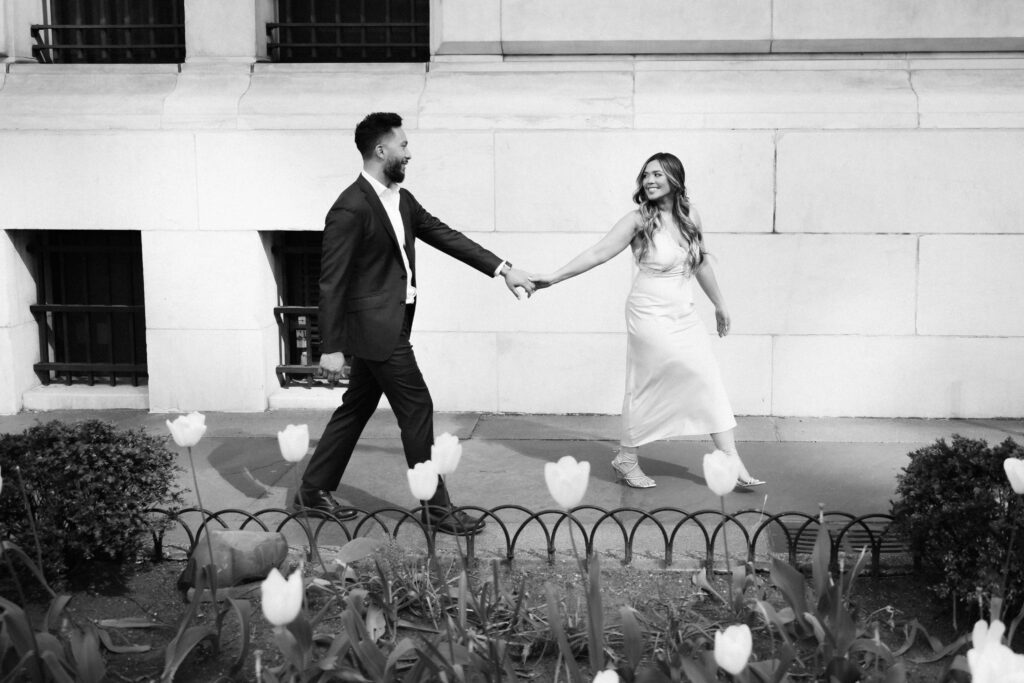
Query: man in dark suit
(367,303)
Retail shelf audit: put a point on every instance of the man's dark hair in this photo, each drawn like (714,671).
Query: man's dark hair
(374,127)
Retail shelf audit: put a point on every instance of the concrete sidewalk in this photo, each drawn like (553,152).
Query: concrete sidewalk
(847,464)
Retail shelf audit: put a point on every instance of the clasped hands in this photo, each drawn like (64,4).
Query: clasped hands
(516,279)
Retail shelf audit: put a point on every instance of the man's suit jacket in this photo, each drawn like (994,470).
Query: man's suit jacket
(362,278)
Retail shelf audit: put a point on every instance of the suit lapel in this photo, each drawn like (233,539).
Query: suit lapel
(410,251)
(378,210)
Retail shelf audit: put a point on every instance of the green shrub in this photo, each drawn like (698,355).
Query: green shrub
(958,511)
(89,485)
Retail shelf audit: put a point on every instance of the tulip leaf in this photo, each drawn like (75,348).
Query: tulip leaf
(595,616)
(791,583)
(358,549)
(120,649)
(555,624)
(180,648)
(819,630)
(243,610)
(127,622)
(401,649)
(9,547)
(780,619)
(19,630)
(869,645)
(57,605)
(463,599)
(20,670)
(633,640)
(413,626)
(47,642)
(56,667)
(85,646)
(820,560)
(696,673)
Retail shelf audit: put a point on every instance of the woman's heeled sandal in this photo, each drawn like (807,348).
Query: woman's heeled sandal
(632,475)
(748,483)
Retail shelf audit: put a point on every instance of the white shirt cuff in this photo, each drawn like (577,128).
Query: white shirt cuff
(497,271)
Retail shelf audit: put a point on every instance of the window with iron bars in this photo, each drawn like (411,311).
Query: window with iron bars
(90,307)
(350,31)
(298,275)
(111,31)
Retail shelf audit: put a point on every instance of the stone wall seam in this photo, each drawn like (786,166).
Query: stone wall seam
(195,178)
(917,284)
(776,137)
(238,104)
(917,97)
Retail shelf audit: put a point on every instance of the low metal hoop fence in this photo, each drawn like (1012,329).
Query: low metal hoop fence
(753,535)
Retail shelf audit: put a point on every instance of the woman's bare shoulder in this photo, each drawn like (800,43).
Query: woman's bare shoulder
(695,216)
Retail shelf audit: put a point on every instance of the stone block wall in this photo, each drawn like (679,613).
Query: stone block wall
(863,211)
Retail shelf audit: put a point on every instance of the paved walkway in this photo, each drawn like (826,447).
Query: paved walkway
(842,464)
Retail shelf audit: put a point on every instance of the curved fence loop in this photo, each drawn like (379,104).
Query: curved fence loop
(564,515)
(792,533)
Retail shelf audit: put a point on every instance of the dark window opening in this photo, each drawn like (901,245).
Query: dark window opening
(350,31)
(111,31)
(298,275)
(90,307)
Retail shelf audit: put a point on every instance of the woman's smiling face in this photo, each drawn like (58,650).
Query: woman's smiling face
(655,182)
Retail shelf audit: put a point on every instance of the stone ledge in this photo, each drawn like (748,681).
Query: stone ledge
(77,397)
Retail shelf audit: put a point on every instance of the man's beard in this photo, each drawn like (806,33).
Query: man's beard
(394,171)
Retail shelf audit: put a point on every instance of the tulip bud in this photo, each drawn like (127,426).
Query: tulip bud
(445,453)
(720,472)
(607,676)
(188,429)
(732,648)
(988,659)
(567,480)
(423,480)
(1014,468)
(281,600)
(294,442)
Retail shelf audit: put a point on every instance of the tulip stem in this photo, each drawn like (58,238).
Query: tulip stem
(313,550)
(206,525)
(31,518)
(1009,552)
(35,535)
(725,544)
(436,566)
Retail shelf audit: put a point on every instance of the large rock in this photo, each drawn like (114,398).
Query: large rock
(240,556)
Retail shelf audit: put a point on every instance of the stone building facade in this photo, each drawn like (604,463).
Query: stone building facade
(858,165)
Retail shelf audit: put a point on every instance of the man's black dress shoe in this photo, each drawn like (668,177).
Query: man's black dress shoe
(454,522)
(321,504)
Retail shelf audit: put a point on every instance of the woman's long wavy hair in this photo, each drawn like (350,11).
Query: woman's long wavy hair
(691,234)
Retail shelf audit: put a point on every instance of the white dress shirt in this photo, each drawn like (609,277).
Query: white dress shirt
(390,197)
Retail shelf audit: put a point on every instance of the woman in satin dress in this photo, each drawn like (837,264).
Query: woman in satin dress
(673,385)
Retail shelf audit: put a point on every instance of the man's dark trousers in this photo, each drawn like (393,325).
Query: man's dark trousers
(399,379)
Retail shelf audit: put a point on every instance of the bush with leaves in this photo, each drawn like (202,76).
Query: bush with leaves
(89,485)
(958,511)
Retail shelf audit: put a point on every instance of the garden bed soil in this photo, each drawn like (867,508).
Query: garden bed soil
(150,591)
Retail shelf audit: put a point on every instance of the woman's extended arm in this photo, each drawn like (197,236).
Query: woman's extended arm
(617,239)
(705,275)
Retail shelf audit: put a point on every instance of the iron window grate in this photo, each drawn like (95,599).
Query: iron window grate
(91,309)
(298,260)
(111,32)
(350,31)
